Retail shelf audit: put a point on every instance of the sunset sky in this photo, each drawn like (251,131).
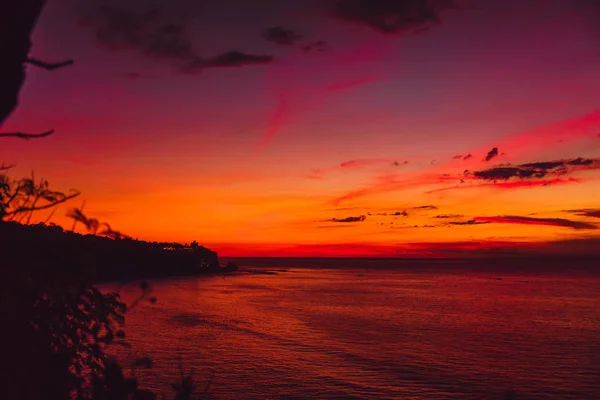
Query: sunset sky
(341,131)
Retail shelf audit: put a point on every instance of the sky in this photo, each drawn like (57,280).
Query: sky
(322,127)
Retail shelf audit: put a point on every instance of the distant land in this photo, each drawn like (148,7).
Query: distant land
(583,264)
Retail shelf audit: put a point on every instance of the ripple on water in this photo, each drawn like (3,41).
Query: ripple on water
(392,335)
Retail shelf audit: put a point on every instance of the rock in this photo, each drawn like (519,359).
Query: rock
(230,267)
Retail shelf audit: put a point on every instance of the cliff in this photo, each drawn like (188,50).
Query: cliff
(49,249)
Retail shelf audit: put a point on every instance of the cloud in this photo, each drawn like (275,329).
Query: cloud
(527,175)
(351,165)
(469,222)
(282,36)
(363,162)
(385,184)
(405,212)
(287,37)
(426,207)
(149,32)
(462,157)
(536,169)
(360,218)
(493,153)
(154,35)
(560,222)
(448,216)
(236,59)
(400,214)
(586,212)
(284,113)
(510,185)
(577,128)
(318,45)
(391,16)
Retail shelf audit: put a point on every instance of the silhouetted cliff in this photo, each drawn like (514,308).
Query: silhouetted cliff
(53,251)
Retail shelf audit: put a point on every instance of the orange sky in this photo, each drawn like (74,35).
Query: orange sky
(314,152)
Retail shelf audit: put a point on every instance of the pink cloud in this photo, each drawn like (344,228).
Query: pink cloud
(546,137)
(304,83)
(276,123)
(578,128)
(511,185)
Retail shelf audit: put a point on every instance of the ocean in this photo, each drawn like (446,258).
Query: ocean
(374,329)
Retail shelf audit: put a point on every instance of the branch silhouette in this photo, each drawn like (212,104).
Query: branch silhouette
(48,66)
(17,21)
(19,199)
(27,136)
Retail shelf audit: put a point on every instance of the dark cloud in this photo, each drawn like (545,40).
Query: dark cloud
(154,35)
(391,16)
(462,157)
(405,212)
(363,162)
(515,219)
(282,36)
(148,32)
(536,169)
(493,153)
(469,222)
(448,216)
(318,45)
(426,207)
(400,214)
(228,59)
(583,161)
(586,212)
(360,218)
(237,59)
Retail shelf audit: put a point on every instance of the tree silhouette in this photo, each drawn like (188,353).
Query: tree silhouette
(58,323)
(17,21)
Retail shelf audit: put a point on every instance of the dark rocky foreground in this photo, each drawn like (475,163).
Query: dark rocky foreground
(54,251)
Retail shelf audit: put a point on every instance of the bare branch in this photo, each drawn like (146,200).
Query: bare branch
(4,167)
(27,136)
(48,66)
(45,206)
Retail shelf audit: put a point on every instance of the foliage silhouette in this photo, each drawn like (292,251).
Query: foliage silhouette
(60,324)
(19,199)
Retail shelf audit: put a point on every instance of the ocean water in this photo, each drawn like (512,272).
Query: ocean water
(335,329)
